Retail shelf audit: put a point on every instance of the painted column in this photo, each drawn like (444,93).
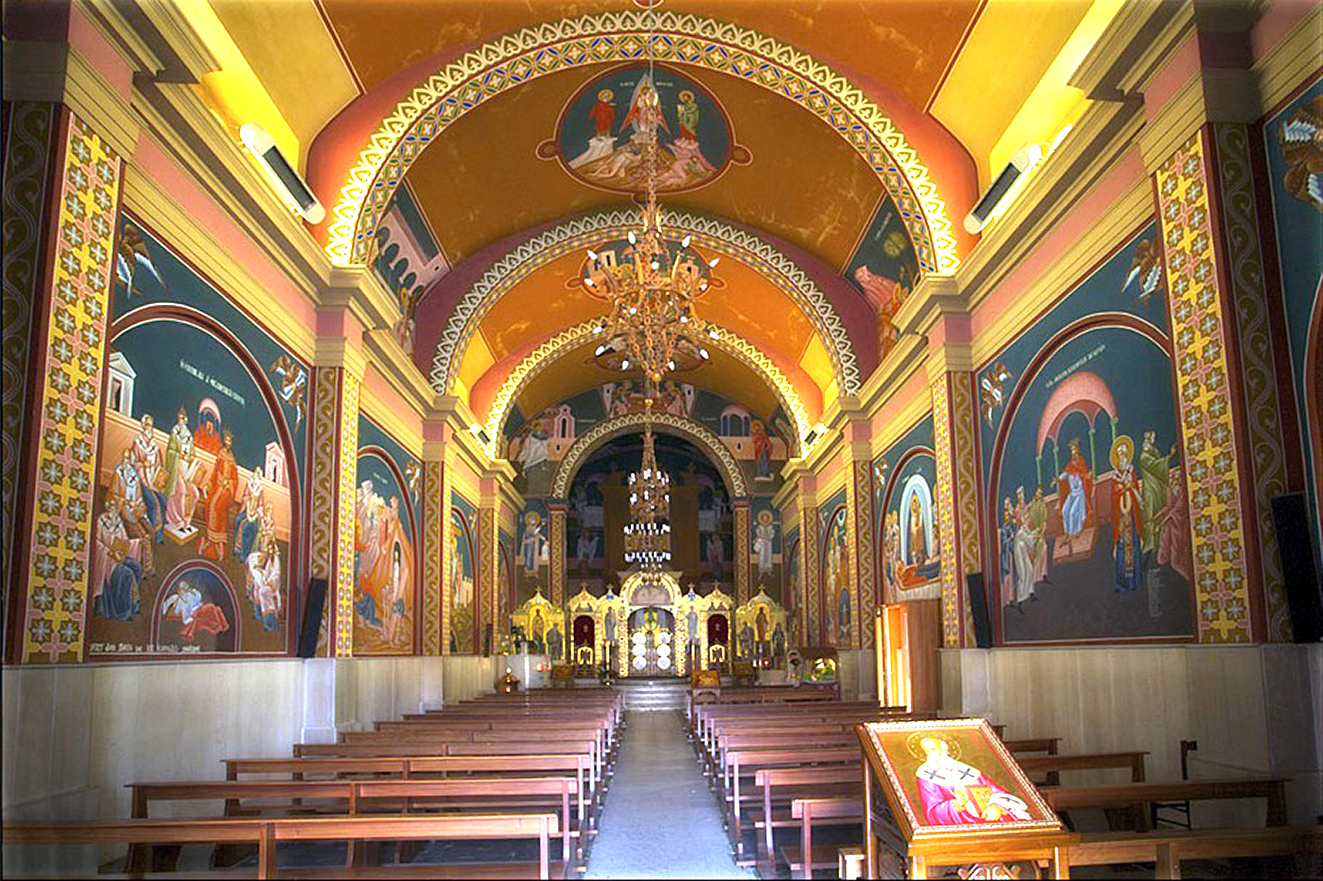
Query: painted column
(809,532)
(862,528)
(950,381)
(69,326)
(336,381)
(743,541)
(485,598)
(435,514)
(445,589)
(556,513)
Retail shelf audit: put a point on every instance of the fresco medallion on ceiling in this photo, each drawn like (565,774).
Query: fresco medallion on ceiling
(601,132)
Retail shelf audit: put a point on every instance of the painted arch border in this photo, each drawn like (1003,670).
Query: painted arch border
(668,423)
(728,341)
(533,52)
(585,232)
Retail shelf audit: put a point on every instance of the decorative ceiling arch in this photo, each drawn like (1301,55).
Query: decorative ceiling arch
(585,232)
(533,52)
(726,340)
(667,423)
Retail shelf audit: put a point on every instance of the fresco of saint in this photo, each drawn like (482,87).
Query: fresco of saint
(1126,502)
(1075,490)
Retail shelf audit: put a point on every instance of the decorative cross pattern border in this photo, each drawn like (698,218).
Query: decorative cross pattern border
(586,232)
(547,353)
(865,528)
(533,52)
(603,431)
(963,421)
(346,523)
(27,157)
(70,417)
(485,602)
(1262,414)
(813,590)
(433,514)
(1199,331)
(743,588)
(946,513)
(852,551)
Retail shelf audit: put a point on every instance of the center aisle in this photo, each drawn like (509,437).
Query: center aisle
(660,819)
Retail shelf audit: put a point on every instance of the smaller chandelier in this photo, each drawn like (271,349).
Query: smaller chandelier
(648,535)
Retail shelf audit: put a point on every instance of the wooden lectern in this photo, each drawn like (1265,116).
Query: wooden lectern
(948,793)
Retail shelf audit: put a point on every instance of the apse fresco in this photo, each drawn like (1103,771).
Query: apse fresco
(536,445)
(884,268)
(837,614)
(1293,139)
(601,134)
(1085,491)
(461,575)
(386,544)
(196,503)
(905,493)
(702,519)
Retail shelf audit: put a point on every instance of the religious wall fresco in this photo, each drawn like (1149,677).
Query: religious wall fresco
(386,544)
(908,543)
(1293,139)
(462,575)
(1085,492)
(536,445)
(407,258)
(532,550)
(197,511)
(837,615)
(602,131)
(765,547)
(884,268)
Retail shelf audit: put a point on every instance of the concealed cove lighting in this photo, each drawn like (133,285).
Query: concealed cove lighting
(282,174)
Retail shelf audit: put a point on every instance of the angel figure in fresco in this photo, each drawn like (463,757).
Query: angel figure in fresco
(1127,497)
(1301,140)
(991,392)
(186,604)
(181,466)
(221,485)
(248,522)
(956,794)
(264,583)
(116,572)
(1146,268)
(413,474)
(1075,490)
(146,457)
(132,253)
(293,382)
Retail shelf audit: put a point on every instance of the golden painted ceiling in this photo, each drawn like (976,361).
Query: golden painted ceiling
(826,150)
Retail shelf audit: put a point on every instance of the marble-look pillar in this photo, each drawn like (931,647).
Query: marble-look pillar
(556,513)
(950,382)
(742,543)
(435,513)
(861,529)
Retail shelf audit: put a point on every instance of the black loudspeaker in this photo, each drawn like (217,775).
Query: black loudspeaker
(1295,547)
(487,641)
(978,607)
(312,618)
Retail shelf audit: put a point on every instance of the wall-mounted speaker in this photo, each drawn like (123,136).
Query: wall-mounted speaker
(312,618)
(1295,548)
(977,597)
(1023,160)
(263,146)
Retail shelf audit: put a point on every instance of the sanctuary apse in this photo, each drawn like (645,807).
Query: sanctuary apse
(309,415)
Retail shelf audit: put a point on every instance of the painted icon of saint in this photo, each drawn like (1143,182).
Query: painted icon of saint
(954,793)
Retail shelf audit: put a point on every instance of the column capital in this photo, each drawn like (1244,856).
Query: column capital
(933,299)
(949,357)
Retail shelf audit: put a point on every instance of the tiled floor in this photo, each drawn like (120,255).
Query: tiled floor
(659,819)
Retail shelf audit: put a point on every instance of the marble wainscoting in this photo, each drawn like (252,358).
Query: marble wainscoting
(1254,710)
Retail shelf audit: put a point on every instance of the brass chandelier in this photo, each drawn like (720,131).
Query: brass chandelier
(648,535)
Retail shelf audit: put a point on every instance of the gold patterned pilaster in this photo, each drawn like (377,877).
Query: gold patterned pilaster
(859,492)
(347,478)
(963,422)
(435,513)
(485,601)
(946,512)
(556,514)
(1200,331)
(446,590)
(810,554)
(1244,262)
(333,477)
(743,540)
(68,422)
(852,551)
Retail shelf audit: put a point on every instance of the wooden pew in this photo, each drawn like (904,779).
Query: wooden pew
(804,859)
(1055,764)
(266,834)
(1138,796)
(780,787)
(746,763)
(1166,849)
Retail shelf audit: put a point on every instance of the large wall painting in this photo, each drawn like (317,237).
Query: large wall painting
(1295,158)
(1085,494)
(909,546)
(838,614)
(201,450)
(884,268)
(601,134)
(532,551)
(765,555)
(386,549)
(461,575)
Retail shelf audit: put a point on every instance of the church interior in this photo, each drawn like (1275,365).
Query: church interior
(688,438)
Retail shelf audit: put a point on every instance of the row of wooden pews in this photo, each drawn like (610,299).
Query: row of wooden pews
(517,778)
(824,804)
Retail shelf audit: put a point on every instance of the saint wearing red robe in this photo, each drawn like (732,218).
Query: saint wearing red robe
(603,113)
(222,483)
(956,794)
